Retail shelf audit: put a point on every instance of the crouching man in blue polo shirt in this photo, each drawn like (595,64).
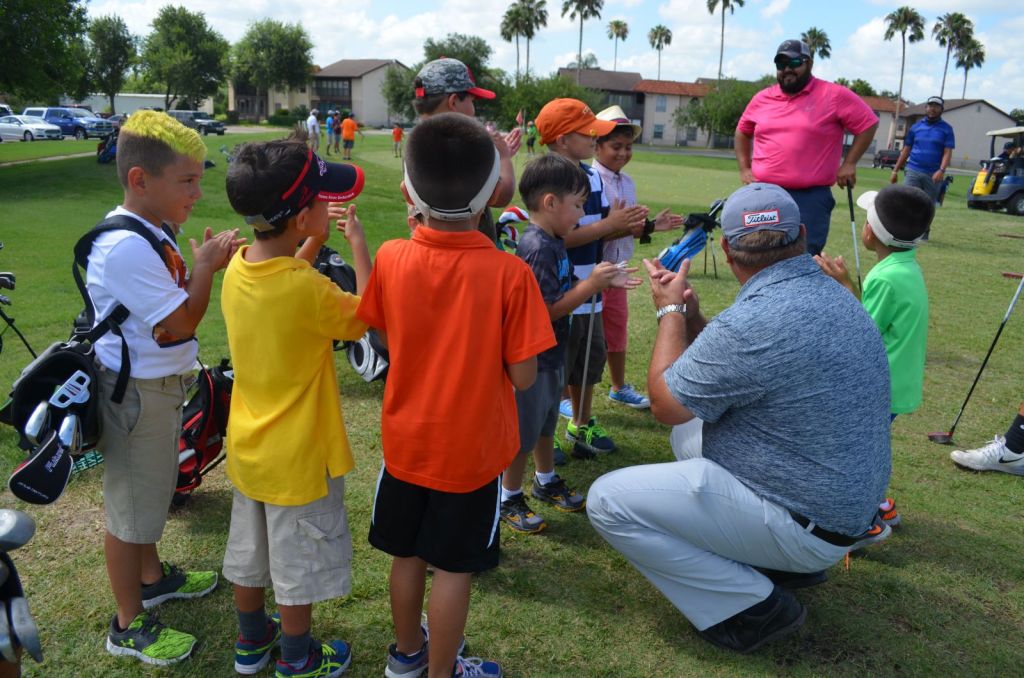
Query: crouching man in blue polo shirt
(792,384)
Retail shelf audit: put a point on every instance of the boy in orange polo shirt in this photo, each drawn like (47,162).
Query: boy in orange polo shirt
(349,127)
(397,135)
(464,323)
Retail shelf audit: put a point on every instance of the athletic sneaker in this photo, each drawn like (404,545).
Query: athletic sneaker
(565,409)
(992,457)
(591,436)
(474,667)
(878,531)
(629,397)
(175,584)
(330,660)
(252,656)
(747,631)
(404,665)
(889,516)
(559,495)
(148,640)
(517,515)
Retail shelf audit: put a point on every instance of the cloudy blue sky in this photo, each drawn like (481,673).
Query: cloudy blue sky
(397,28)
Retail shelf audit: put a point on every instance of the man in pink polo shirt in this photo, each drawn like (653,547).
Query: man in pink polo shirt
(791,134)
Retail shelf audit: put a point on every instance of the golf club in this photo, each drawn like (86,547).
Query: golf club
(946,437)
(24,627)
(37,422)
(7,280)
(853,231)
(5,300)
(7,651)
(70,433)
(576,451)
(16,529)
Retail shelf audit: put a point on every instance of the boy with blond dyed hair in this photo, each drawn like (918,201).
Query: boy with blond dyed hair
(160,164)
(464,324)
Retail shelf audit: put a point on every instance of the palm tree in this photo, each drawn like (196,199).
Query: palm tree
(659,37)
(730,5)
(968,56)
(617,30)
(584,9)
(817,41)
(951,30)
(535,16)
(512,27)
(903,21)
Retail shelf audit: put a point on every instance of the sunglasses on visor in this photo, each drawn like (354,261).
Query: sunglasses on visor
(784,62)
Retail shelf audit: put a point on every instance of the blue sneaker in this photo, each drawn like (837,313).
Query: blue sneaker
(253,656)
(629,397)
(406,665)
(591,438)
(330,660)
(565,409)
(474,667)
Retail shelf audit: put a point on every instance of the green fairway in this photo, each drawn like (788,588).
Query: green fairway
(944,595)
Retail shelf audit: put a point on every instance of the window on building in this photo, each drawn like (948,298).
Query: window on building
(660,104)
(691,133)
(333,88)
(659,131)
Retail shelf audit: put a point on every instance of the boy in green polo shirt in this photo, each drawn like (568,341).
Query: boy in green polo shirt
(894,293)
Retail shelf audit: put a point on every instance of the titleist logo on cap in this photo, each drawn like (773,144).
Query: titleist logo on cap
(752,219)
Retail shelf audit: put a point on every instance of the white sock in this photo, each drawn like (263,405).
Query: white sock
(545,478)
(508,494)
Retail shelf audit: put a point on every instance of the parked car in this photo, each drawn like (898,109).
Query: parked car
(5,110)
(199,121)
(885,158)
(76,122)
(118,119)
(27,128)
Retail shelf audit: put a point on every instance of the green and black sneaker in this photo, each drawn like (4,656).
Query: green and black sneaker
(178,584)
(148,640)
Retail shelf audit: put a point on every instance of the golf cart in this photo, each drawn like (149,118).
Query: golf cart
(1000,181)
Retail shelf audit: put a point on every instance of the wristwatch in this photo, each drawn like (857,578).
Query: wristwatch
(671,308)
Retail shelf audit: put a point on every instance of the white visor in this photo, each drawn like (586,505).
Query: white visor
(867,201)
(475,206)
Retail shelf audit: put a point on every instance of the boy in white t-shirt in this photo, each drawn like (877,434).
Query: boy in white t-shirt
(159,163)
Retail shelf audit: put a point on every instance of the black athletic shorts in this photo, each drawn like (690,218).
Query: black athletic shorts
(453,532)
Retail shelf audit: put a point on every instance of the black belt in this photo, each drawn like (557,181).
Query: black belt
(834,538)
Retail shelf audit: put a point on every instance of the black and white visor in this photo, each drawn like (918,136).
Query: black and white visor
(326,181)
(475,205)
(867,202)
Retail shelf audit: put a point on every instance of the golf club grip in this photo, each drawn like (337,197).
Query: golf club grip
(849,200)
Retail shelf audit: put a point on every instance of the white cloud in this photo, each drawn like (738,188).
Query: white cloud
(775,8)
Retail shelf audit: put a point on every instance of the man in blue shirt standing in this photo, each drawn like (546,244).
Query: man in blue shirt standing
(927,149)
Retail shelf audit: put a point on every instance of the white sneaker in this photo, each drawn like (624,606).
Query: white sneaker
(992,457)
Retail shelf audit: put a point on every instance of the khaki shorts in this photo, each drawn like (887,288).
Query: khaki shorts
(304,552)
(140,452)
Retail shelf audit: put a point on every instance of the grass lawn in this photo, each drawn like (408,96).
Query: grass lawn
(943,595)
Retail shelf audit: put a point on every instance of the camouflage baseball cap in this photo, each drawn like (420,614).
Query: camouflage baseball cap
(447,76)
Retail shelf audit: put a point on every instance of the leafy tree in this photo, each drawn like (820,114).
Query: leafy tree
(951,30)
(398,90)
(969,55)
(112,50)
(863,88)
(589,61)
(272,55)
(535,13)
(469,49)
(617,30)
(530,94)
(843,81)
(730,5)
(720,110)
(42,43)
(817,40)
(1018,115)
(514,25)
(184,56)
(659,37)
(584,9)
(903,21)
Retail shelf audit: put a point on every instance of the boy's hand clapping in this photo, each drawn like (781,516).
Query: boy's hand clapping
(606,274)
(216,250)
(666,221)
(627,218)
(348,222)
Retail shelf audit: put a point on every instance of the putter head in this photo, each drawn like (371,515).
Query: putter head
(941,438)
(16,529)
(38,422)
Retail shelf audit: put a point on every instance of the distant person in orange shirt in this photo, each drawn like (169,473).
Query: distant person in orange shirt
(397,135)
(349,127)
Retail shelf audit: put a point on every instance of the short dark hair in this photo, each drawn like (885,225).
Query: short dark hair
(764,248)
(430,103)
(906,211)
(619,131)
(260,173)
(447,158)
(551,173)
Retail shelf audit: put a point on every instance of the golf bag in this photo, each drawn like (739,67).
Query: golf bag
(697,230)
(368,356)
(54,403)
(106,150)
(204,423)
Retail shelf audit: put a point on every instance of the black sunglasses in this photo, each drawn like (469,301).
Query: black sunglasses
(783,62)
